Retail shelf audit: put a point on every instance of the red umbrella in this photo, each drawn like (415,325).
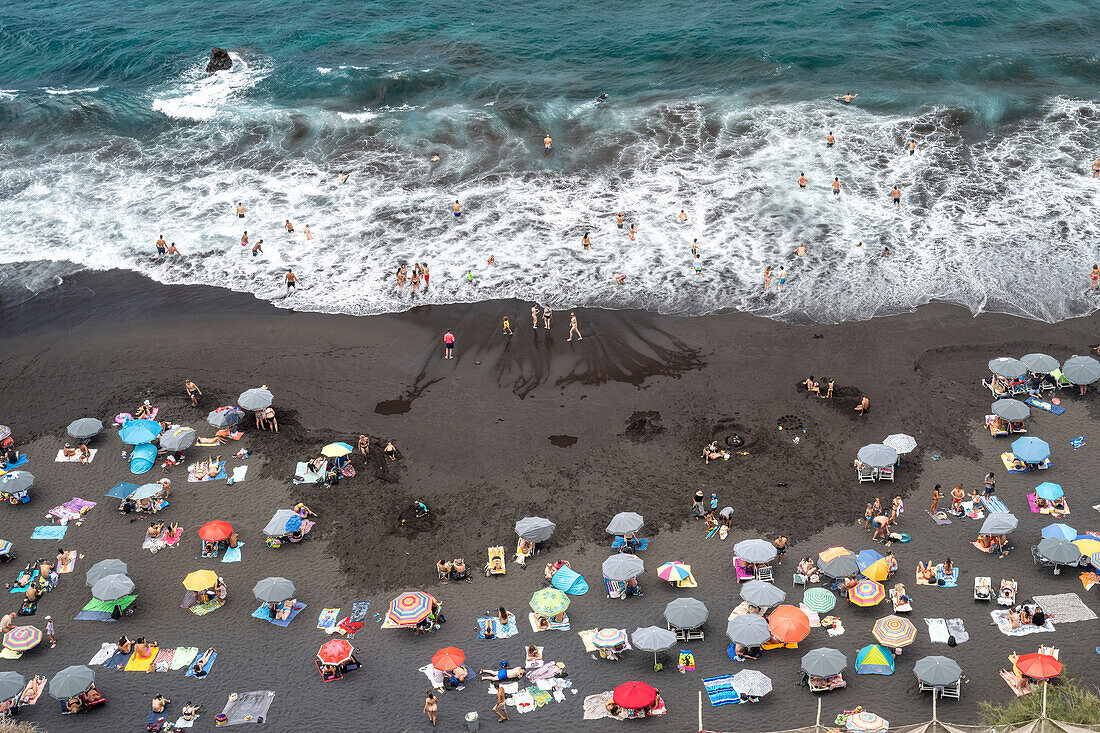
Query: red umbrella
(336,651)
(1039,666)
(448,658)
(634,695)
(789,624)
(215,531)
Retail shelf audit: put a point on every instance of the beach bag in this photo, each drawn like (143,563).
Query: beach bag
(951,641)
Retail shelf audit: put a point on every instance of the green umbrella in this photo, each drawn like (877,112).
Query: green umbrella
(821,600)
(549,602)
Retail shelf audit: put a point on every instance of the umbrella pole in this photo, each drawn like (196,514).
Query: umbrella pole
(1044,700)
(700,711)
(817,723)
(934,719)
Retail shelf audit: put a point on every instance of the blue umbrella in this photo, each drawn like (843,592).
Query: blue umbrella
(867,558)
(136,432)
(1060,530)
(1049,491)
(146,491)
(1031,450)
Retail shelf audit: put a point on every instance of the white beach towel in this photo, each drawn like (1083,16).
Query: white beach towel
(106,649)
(62,458)
(239,474)
(1001,619)
(937,630)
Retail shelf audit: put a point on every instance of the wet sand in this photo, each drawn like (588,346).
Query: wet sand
(527,424)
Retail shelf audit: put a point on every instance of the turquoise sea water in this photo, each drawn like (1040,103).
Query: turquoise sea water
(112,133)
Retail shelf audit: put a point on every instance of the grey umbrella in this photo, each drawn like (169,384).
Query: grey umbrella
(877,455)
(840,566)
(71,681)
(623,567)
(748,629)
(255,399)
(535,529)
(178,438)
(1011,410)
(277,526)
(273,590)
(12,683)
(1007,367)
(624,523)
(225,418)
(1039,363)
(823,662)
(84,428)
(938,671)
(653,639)
(686,613)
(1081,369)
(104,568)
(1059,550)
(16,481)
(755,550)
(999,523)
(112,587)
(761,594)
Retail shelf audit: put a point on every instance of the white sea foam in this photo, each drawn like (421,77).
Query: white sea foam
(85,90)
(358,116)
(196,95)
(324,70)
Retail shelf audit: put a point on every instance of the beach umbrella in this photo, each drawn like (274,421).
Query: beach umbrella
(1011,410)
(634,695)
(535,529)
(216,531)
(282,522)
(624,523)
(22,638)
(830,553)
(1059,530)
(136,432)
(789,624)
(653,638)
(225,417)
(549,602)
(686,613)
(673,572)
(874,659)
(894,631)
(71,681)
(755,551)
(752,682)
(84,428)
(1049,491)
(1007,367)
(900,442)
(338,651)
(1037,666)
(607,638)
(867,558)
(1081,369)
(748,629)
(866,593)
(999,523)
(937,671)
(146,490)
(840,566)
(1087,545)
(104,568)
(274,590)
(200,580)
(820,600)
(177,439)
(5,432)
(762,594)
(15,481)
(1030,450)
(878,571)
(1039,363)
(1059,551)
(823,662)
(410,608)
(865,722)
(336,450)
(255,399)
(877,455)
(622,566)
(112,587)
(11,684)
(445,659)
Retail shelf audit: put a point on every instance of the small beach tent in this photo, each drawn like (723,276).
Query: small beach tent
(142,458)
(569,581)
(874,659)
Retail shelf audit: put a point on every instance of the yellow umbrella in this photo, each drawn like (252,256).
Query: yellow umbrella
(879,570)
(200,580)
(1088,547)
(336,450)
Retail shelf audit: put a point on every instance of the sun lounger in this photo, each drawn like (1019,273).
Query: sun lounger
(520,556)
(495,565)
(829,684)
(993,423)
(562,625)
(741,572)
(983,589)
(1006,594)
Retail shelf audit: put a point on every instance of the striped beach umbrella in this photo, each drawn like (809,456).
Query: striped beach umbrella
(821,600)
(606,638)
(22,638)
(5,432)
(410,608)
(1095,560)
(549,602)
(865,722)
(867,593)
(673,572)
(894,631)
(752,682)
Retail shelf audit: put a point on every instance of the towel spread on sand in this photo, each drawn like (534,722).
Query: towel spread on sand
(957,630)
(191,475)
(327,618)
(239,473)
(562,625)
(937,630)
(302,475)
(106,649)
(117,660)
(23,460)
(1065,607)
(500,631)
(184,656)
(937,520)
(720,690)
(595,707)
(949,581)
(587,637)
(993,504)
(263,614)
(49,533)
(359,611)
(233,554)
(68,562)
(142,664)
(74,458)
(206,667)
(618,542)
(1001,619)
(164,659)
(201,609)
(434,676)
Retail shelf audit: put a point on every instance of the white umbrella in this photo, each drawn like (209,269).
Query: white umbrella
(900,442)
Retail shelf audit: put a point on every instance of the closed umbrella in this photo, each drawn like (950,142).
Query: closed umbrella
(789,624)
(1059,551)
(1060,530)
(1081,369)
(1039,363)
(1035,665)
(11,684)
(624,523)
(1011,410)
(820,600)
(448,658)
(84,428)
(608,638)
(877,455)
(21,639)
(755,551)
(1007,367)
(273,590)
(622,566)
(900,442)
(1030,450)
(840,566)
(937,671)
(1049,491)
(112,587)
(177,439)
(104,568)
(216,531)
(71,681)
(762,594)
(824,662)
(336,450)
(748,630)
(999,523)
(535,529)
(673,572)
(255,399)
(136,432)
(686,613)
(225,417)
(752,682)
(16,481)
(336,651)
(894,631)
(283,521)
(549,602)
(634,695)
(200,580)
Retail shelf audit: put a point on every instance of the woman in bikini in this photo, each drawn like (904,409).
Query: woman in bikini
(431,707)
(364,445)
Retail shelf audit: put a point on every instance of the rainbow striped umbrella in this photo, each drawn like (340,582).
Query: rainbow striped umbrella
(410,608)
(867,593)
(22,638)
(609,637)
(894,631)
(673,572)
(866,722)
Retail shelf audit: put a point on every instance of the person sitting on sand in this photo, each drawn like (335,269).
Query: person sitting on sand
(863,405)
(713,453)
(68,451)
(504,673)
(533,655)
(926,572)
(155,528)
(283,612)
(443,568)
(982,589)
(459,570)
(144,412)
(159,703)
(390,451)
(742,652)
(811,386)
(984,543)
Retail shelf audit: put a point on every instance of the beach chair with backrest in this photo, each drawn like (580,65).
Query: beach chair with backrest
(983,589)
(886,474)
(1006,594)
(866,474)
(495,564)
(764,572)
(952,690)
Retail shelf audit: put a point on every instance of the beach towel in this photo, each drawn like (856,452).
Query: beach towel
(640,544)
(184,656)
(23,588)
(813,616)
(248,707)
(205,668)
(994,504)
(949,581)
(23,460)
(302,474)
(359,611)
(956,629)
(239,474)
(117,660)
(1007,458)
(562,625)
(1066,608)
(686,661)
(263,614)
(31,692)
(499,631)
(106,650)
(434,676)
(233,554)
(586,639)
(138,663)
(163,661)
(327,619)
(595,707)
(49,532)
(689,581)
(524,702)
(937,630)
(938,520)
(1078,442)
(181,723)
(1013,683)
(1044,405)
(191,475)
(720,690)
(74,458)
(1001,619)
(569,581)
(72,510)
(121,490)
(201,609)
(68,562)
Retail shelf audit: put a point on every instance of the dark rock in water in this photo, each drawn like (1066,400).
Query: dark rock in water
(219,60)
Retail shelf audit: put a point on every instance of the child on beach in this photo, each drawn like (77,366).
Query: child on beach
(507,331)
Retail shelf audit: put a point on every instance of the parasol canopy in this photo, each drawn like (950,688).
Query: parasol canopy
(1039,666)
(1007,367)
(215,531)
(999,523)
(337,651)
(686,613)
(937,671)
(177,438)
(448,658)
(1049,491)
(653,638)
(748,629)
(820,600)
(622,566)
(22,638)
(877,455)
(282,522)
(789,624)
(273,590)
(549,602)
(112,587)
(673,572)
(608,638)
(103,568)
(865,722)
(410,608)
(1081,369)
(823,662)
(535,529)
(894,631)
(762,594)
(752,682)
(634,695)
(256,398)
(136,432)
(1011,410)
(336,450)
(1030,450)
(71,681)
(1059,530)
(755,551)
(200,580)
(11,684)
(225,417)
(1039,363)
(625,523)
(867,593)
(84,428)
(1059,551)
(840,566)
(900,442)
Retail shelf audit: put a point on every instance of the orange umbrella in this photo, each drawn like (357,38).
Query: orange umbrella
(829,554)
(215,531)
(789,624)
(448,658)
(1039,666)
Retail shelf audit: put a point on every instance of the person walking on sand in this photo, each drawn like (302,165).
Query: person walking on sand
(448,345)
(431,707)
(836,187)
(802,180)
(782,274)
(193,392)
(573,328)
(161,246)
(289,227)
(619,218)
(50,632)
(767,277)
(847,98)
(457,209)
(258,248)
(936,496)
(547,314)
(309,234)
(240,209)
(507,330)
(500,709)
(830,141)
(535,317)
(291,281)
(1094,277)
(896,195)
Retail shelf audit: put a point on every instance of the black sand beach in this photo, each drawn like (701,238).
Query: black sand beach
(527,424)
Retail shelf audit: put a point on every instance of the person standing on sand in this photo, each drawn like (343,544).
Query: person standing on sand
(547,314)
(936,496)
(448,345)
(896,194)
(1094,277)
(990,484)
(240,209)
(50,632)
(781,543)
(535,317)
(431,707)
(291,281)
(573,328)
(507,330)
(767,277)
(193,392)
(258,247)
(499,708)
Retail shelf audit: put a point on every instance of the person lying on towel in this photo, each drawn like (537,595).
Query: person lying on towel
(504,673)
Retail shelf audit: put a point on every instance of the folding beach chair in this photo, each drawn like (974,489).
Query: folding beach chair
(1006,594)
(952,690)
(764,572)
(866,474)
(495,564)
(886,474)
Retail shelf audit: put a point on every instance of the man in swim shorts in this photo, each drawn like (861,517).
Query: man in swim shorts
(457,208)
(547,142)
(830,141)
(258,247)
(912,147)
(836,187)
(1096,168)
(802,180)
(896,194)
(619,218)
(683,217)
(291,281)
(289,227)
(240,210)
(161,246)
(847,98)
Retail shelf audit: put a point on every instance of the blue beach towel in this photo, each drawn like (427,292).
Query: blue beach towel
(359,610)
(23,588)
(233,554)
(499,632)
(720,690)
(993,504)
(569,581)
(49,532)
(117,660)
(12,466)
(949,581)
(205,668)
(263,614)
(1044,405)
(619,542)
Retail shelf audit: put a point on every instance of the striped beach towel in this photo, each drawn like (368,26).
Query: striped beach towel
(993,504)
(720,690)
